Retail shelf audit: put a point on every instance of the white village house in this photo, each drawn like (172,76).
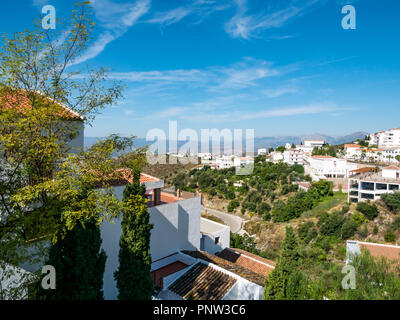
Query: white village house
(309,145)
(322,167)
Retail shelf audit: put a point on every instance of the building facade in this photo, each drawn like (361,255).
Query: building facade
(366,186)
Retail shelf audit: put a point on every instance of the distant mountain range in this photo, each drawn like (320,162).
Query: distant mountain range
(263,142)
(267,142)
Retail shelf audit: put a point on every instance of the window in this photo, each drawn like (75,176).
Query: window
(216,240)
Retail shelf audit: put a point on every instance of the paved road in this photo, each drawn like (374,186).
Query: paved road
(234,222)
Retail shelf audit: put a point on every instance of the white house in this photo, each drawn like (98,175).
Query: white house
(309,145)
(262,151)
(293,156)
(391,172)
(177,225)
(224,162)
(231,274)
(242,161)
(330,167)
(352,151)
(276,156)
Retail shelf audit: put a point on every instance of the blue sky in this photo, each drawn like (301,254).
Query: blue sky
(282,67)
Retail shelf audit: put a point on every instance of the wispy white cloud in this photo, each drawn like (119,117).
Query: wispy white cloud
(194,114)
(246,73)
(245,25)
(275,93)
(116,19)
(171,16)
(191,75)
(172,112)
(198,8)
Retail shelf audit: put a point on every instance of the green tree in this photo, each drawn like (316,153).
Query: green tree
(37,187)
(133,275)
(79,265)
(286,281)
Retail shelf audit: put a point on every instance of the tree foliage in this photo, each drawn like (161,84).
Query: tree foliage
(79,263)
(133,275)
(286,281)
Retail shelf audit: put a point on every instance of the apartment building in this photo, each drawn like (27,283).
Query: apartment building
(293,156)
(385,154)
(370,185)
(386,138)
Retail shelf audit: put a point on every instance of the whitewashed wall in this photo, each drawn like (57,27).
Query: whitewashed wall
(176,227)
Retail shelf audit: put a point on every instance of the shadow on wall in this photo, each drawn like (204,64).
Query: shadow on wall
(174,229)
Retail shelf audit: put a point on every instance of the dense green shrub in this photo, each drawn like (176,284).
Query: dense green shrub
(233,205)
(331,224)
(370,211)
(307,231)
(396,224)
(349,228)
(389,236)
(392,201)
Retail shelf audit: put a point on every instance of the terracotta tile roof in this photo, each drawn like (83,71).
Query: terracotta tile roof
(351,145)
(364,169)
(204,282)
(147,178)
(22,103)
(381,250)
(124,176)
(247,260)
(391,168)
(232,267)
(168,198)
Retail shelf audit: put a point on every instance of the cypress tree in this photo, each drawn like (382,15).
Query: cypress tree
(79,265)
(133,275)
(286,281)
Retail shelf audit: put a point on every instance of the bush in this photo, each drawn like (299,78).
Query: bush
(389,236)
(263,208)
(392,201)
(376,230)
(267,216)
(370,211)
(349,228)
(358,218)
(345,208)
(396,224)
(233,205)
(307,232)
(331,224)
(363,232)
